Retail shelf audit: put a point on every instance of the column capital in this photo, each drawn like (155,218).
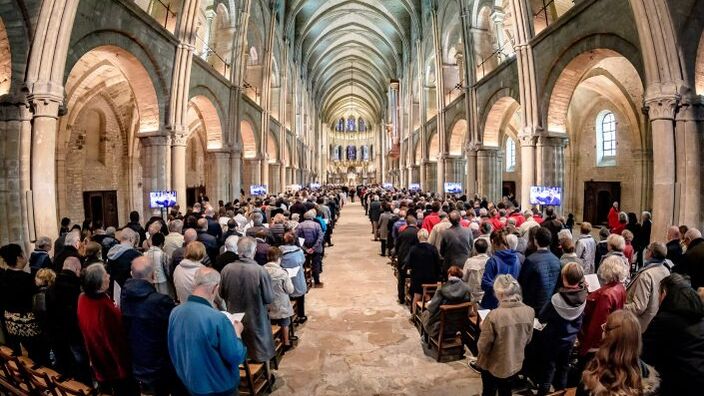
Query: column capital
(45,104)
(153,139)
(662,107)
(691,111)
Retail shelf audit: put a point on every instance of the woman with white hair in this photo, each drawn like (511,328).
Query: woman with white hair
(610,297)
(505,333)
(615,244)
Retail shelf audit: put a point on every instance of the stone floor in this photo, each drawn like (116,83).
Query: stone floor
(358,340)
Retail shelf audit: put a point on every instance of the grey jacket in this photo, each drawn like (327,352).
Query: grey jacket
(280,307)
(586,250)
(455,291)
(505,333)
(456,246)
(643,293)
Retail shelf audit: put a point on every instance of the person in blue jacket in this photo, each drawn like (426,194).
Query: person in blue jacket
(503,261)
(540,273)
(204,345)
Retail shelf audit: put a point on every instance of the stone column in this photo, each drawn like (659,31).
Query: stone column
(218,186)
(488,167)
(178,167)
(236,172)
(155,167)
(690,165)
(666,192)
(528,164)
(44,197)
(471,169)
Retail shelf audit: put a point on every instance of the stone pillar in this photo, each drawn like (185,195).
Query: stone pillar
(690,165)
(44,196)
(471,169)
(178,168)
(528,154)
(488,177)
(236,172)
(666,192)
(155,167)
(219,183)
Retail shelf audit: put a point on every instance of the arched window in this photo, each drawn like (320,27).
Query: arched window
(351,124)
(510,155)
(361,125)
(606,139)
(96,138)
(341,125)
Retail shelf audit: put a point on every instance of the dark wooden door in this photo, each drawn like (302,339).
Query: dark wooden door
(508,189)
(598,197)
(101,206)
(193,194)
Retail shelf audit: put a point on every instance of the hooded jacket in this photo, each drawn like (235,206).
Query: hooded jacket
(454,291)
(39,259)
(120,262)
(674,343)
(563,317)
(145,315)
(501,262)
(292,257)
(282,286)
(184,276)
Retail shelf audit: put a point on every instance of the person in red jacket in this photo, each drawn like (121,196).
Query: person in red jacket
(100,322)
(613,216)
(610,297)
(433,218)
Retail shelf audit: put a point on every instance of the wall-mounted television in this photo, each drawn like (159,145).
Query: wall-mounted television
(258,190)
(387,186)
(162,199)
(414,187)
(453,188)
(314,186)
(545,195)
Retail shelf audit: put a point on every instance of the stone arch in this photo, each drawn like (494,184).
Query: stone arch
(5,61)
(433,147)
(272,147)
(699,67)
(457,138)
(499,114)
(201,109)
(567,71)
(15,30)
(249,140)
(95,63)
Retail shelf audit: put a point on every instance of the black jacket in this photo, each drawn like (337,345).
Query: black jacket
(674,254)
(405,241)
(693,262)
(119,263)
(136,227)
(374,210)
(145,315)
(225,259)
(674,343)
(424,263)
(62,309)
(212,247)
(66,252)
(214,228)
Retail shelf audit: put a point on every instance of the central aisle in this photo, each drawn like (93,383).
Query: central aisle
(358,340)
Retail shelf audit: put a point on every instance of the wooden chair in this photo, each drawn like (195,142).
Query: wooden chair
(564,392)
(254,379)
(454,319)
(8,382)
(12,371)
(42,380)
(428,293)
(276,334)
(72,388)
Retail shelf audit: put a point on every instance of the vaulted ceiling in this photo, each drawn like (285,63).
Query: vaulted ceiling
(350,50)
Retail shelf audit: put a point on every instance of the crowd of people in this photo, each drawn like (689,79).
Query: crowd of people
(605,316)
(157,309)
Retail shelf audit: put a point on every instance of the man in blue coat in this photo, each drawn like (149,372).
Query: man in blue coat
(204,345)
(540,273)
(145,315)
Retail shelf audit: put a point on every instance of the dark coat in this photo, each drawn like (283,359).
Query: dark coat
(120,263)
(693,262)
(262,251)
(555,226)
(299,208)
(225,259)
(501,262)
(601,250)
(212,247)
(674,254)
(538,278)
(456,246)
(66,252)
(214,228)
(374,210)
(61,309)
(145,315)
(39,259)
(674,343)
(136,227)
(424,263)
(406,239)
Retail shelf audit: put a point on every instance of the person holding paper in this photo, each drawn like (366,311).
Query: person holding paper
(505,332)
(562,319)
(204,345)
(280,310)
(600,304)
(292,257)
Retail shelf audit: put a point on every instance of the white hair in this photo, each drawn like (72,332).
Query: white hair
(611,270)
(616,242)
(43,243)
(72,238)
(206,277)
(692,234)
(231,243)
(512,241)
(128,235)
(564,234)
(310,215)
(246,247)
(506,288)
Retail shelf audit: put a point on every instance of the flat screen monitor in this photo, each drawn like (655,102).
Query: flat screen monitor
(162,199)
(294,187)
(545,195)
(314,186)
(453,188)
(414,187)
(257,190)
(387,186)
